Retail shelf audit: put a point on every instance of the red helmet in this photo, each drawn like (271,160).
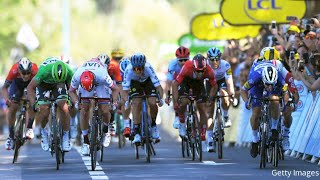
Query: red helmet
(199,62)
(182,52)
(87,80)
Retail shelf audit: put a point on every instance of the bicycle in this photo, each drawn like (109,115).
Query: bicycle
(96,132)
(191,143)
(146,139)
(20,127)
(264,131)
(56,133)
(219,124)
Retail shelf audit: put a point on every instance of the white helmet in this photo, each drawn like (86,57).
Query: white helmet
(104,59)
(269,75)
(25,65)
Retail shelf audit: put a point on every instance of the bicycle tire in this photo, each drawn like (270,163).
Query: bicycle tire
(275,154)
(183,146)
(190,135)
(146,136)
(62,153)
(56,141)
(198,142)
(93,144)
(136,151)
(18,137)
(263,149)
(100,143)
(219,139)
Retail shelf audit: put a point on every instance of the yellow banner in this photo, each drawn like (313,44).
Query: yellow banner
(213,27)
(252,12)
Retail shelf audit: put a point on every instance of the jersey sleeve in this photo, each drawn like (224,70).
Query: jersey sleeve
(252,81)
(153,76)
(126,79)
(115,72)
(228,73)
(75,81)
(170,73)
(12,74)
(34,70)
(183,73)
(210,75)
(69,75)
(107,80)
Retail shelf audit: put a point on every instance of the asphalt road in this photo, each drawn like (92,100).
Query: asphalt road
(34,163)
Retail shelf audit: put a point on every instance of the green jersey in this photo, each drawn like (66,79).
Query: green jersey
(44,74)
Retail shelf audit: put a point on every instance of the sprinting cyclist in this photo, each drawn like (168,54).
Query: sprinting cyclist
(53,78)
(139,79)
(17,80)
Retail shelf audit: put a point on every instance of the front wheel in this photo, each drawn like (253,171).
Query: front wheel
(93,145)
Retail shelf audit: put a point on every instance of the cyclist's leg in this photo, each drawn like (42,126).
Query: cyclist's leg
(225,102)
(254,120)
(287,120)
(84,121)
(274,116)
(15,95)
(136,89)
(183,89)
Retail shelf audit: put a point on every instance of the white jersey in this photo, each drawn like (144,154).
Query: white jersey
(224,70)
(129,75)
(102,77)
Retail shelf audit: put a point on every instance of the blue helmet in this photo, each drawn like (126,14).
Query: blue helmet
(138,60)
(124,62)
(213,53)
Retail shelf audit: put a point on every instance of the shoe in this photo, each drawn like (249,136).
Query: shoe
(85,150)
(211,147)
(203,134)
(73,132)
(106,140)
(66,145)
(285,143)
(155,132)
(126,132)
(30,134)
(254,149)
(182,129)
(111,129)
(274,134)
(227,123)
(44,142)
(137,139)
(176,122)
(9,144)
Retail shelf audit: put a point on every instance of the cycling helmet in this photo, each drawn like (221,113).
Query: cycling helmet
(87,80)
(138,60)
(269,75)
(104,59)
(182,53)
(125,61)
(263,50)
(213,53)
(25,65)
(199,62)
(59,71)
(271,54)
(117,53)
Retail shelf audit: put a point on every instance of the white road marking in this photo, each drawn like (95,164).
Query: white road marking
(98,173)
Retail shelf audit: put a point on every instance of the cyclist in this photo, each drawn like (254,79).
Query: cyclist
(114,72)
(263,76)
(53,77)
(192,76)
(140,78)
(18,79)
(89,79)
(117,54)
(271,55)
(182,55)
(124,63)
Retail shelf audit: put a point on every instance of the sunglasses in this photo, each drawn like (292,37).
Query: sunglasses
(214,59)
(310,36)
(200,71)
(25,73)
(266,84)
(183,60)
(138,69)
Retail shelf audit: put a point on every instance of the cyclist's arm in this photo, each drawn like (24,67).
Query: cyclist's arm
(168,87)
(32,90)
(115,92)
(230,86)
(312,87)
(73,94)
(213,91)
(175,92)
(160,90)
(5,92)
(244,91)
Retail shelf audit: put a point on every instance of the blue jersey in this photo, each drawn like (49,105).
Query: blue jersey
(173,69)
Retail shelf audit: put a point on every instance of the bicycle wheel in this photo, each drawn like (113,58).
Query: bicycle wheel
(183,146)
(119,127)
(219,135)
(101,136)
(61,141)
(146,131)
(56,141)
(18,141)
(263,147)
(197,138)
(190,136)
(275,154)
(93,144)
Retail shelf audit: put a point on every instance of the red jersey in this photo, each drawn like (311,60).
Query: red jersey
(188,72)
(114,70)
(14,72)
